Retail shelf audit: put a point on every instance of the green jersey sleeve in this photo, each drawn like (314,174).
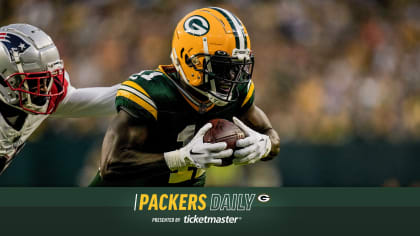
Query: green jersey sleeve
(134,98)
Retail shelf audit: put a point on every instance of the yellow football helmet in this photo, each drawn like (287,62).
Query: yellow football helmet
(211,51)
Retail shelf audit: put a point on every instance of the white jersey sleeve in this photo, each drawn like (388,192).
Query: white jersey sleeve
(94,101)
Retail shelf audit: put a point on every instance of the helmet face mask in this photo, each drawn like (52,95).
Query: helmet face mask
(34,89)
(223,74)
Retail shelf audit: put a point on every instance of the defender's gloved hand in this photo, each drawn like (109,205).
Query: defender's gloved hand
(252,148)
(197,153)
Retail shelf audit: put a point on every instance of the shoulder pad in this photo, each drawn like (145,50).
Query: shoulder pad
(134,94)
(147,75)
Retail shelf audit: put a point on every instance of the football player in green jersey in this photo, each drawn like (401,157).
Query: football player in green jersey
(157,137)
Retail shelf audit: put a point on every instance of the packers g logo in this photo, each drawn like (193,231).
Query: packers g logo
(196,25)
(263,198)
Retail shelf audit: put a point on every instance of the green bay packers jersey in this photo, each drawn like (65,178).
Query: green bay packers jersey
(156,98)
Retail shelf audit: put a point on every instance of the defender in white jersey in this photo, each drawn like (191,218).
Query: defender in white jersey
(35,85)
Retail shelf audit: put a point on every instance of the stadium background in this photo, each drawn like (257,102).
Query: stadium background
(340,81)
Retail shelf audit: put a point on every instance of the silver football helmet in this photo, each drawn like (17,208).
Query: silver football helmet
(31,71)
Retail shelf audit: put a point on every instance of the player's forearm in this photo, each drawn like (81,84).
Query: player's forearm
(95,101)
(121,156)
(275,143)
(258,120)
(134,164)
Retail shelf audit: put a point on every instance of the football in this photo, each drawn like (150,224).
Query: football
(224,131)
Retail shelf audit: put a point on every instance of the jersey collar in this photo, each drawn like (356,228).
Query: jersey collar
(196,104)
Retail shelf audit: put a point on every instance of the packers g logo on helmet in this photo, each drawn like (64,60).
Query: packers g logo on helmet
(196,25)
(211,51)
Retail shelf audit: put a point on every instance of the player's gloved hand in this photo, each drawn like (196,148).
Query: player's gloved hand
(251,148)
(197,153)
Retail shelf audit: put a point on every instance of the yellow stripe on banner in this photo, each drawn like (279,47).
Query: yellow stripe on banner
(136,86)
(139,101)
(249,94)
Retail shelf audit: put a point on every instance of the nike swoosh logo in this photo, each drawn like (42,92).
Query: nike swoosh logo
(195,153)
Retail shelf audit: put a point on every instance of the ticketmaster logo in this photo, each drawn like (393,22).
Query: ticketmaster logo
(211,219)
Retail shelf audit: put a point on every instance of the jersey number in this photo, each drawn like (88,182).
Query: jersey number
(144,76)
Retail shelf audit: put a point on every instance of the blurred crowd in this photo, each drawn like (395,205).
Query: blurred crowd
(326,71)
